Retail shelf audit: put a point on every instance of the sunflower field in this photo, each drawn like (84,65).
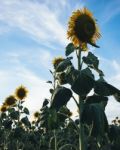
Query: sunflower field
(53,127)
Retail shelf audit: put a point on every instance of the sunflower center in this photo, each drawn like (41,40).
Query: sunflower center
(84,28)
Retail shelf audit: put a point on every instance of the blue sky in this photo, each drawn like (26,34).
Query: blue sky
(33,32)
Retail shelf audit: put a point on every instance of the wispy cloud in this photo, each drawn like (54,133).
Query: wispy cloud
(111,10)
(37,86)
(34,18)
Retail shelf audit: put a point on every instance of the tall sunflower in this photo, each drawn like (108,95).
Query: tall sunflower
(83,29)
(21,92)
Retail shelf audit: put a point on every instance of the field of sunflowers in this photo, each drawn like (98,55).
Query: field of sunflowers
(53,127)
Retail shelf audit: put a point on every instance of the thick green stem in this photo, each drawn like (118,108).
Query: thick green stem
(81,131)
(55,140)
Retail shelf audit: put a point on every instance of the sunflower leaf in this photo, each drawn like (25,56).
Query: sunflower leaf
(49,82)
(60,97)
(84,82)
(104,89)
(25,121)
(26,111)
(92,61)
(94,115)
(63,65)
(69,49)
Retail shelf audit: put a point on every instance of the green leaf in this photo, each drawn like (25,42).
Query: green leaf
(94,116)
(63,65)
(117,96)
(49,82)
(25,121)
(14,115)
(60,97)
(69,49)
(62,78)
(102,100)
(92,61)
(44,116)
(71,75)
(26,111)
(95,99)
(64,113)
(103,88)
(51,91)
(84,82)
(45,102)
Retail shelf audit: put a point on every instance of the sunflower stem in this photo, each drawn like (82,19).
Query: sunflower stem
(81,129)
(55,139)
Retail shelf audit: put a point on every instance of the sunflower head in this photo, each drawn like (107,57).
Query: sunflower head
(56,61)
(9,101)
(33,122)
(21,92)
(36,114)
(82,28)
(3,108)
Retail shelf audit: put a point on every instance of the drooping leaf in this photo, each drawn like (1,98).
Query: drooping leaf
(95,99)
(63,113)
(71,75)
(94,116)
(103,88)
(117,96)
(92,61)
(25,121)
(84,83)
(51,91)
(49,82)
(60,97)
(44,117)
(63,65)
(69,49)
(62,78)
(45,102)
(26,111)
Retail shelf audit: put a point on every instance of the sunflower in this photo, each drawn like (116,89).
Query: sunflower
(3,108)
(36,114)
(9,101)
(21,92)
(83,29)
(56,61)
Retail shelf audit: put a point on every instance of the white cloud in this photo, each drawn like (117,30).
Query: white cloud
(34,18)
(37,87)
(111,10)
